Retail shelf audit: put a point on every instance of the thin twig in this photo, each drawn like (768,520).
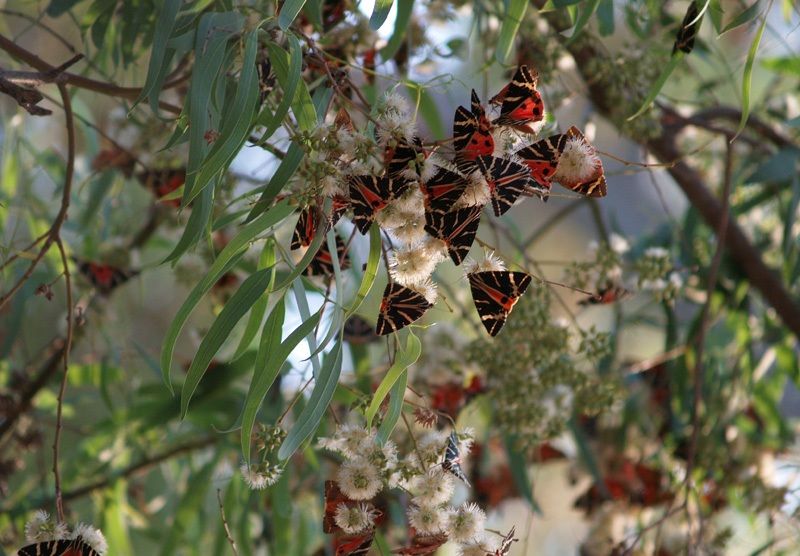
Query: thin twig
(225,524)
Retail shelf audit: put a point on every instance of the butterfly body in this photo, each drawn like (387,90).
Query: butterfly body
(542,158)
(104,277)
(402,156)
(495,292)
(452,459)
(457,229)
(604,296)
(443,190)
(400,307)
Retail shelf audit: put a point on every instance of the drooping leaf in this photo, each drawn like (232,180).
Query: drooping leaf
(380,12)
(404,359)
(747,76)
(236,307)
(659,83)
(159,57)
(508,30)
(289,11)
(585,14)
(317,404)
(395,409)
(267,260)
(404,10)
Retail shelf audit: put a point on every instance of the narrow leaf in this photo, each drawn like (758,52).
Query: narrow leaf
(659,83)
(404,9)
(379,13)
(519,472)
(745,16)
(405,358)
(317,404)
(165,22)
(747,77)
(395,409)
(267,260)
(508,30)
(587,10)
(273,358)
(241,302)
(289,12)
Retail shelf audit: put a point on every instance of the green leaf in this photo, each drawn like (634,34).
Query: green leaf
(317,405)
(229,255)
(301,104)
(280,178)
(370,271)
(430,112)
(241,302)
(605,18)
(404,9)
(159,59)
(403,360)
(236,125)
(291,78)
(519,472)
(395,409)
(659,83)
(715,13)
(305,314)
(508,30)
(748,14)
(789,65)
(379,13)
(271,356)
(587,10)
(267,260)
(747,77)
(289,12)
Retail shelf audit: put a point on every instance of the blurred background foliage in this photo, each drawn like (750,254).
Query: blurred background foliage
(600,428)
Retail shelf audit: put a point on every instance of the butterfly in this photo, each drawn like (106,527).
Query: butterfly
(505,545)
(684,41)
(400,307)
(452,459)
(604,296)
(343,120)
(472,134)
(266,79)
(495,292)
(305,228)
(354,545)
(457,229)
(542,157)
(64,547)
(114,157)
(400,156)
(520,102)
(507,181)
(422,544)
(369,195)
(595,185)
(443,190)
(322,263)
(357,331)
(104,277)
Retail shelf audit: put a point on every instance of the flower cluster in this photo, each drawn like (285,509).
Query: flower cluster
(40,528)
(368,468)
(656,274)
(265,473)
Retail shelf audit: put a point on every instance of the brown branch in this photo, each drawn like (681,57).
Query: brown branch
(81,82)
(225,524)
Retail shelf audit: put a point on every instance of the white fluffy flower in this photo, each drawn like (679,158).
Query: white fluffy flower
(411,201)
(657,285)
(359,479)
(618,244)
(395,102)
(383,456)
(93,537)
(347,440)
(259,477)
(427,519)
(656,253)
(675,280)
(465,524)
(411,265)
(427,288)
(411,229)
(435,249)
(477,192)
(430,446)
(332,185)
(40,528)
(394,125)
(432,488)
(489,262)
(354,519)
(578,162)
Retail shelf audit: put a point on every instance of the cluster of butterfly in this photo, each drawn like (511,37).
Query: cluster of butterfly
(359,544)
(494,292)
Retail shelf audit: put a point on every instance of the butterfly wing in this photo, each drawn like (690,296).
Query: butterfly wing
(495,292)
(354,545)
(507,181)
(521,102)
(401,157)
(422,545)
(400,307)
(104,277)
(687,33)
(542,157)
(370,194)
(303,233)
(443,190)
(472,135)
(457,229)
(322,263)
(64,547)
(358,331)
(452,459)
